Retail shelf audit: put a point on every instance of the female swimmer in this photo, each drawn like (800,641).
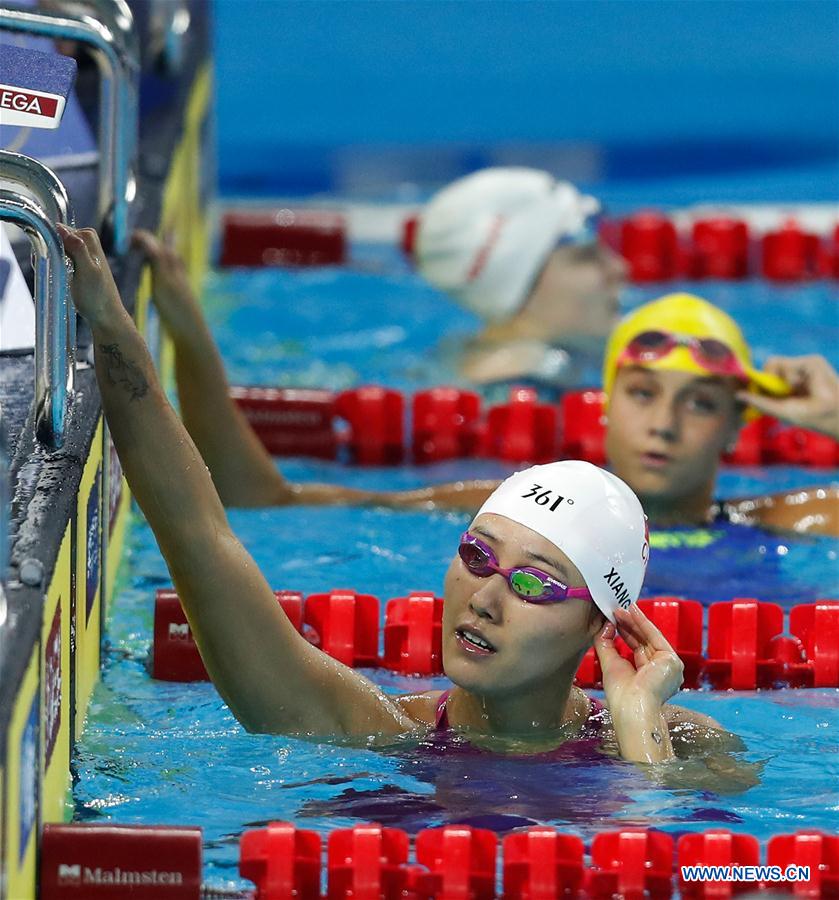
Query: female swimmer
(520,250)
(554,553)
(673,410)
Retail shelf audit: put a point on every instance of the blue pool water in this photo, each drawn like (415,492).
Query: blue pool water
(168,753)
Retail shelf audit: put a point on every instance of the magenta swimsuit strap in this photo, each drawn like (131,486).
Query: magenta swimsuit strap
(441,719)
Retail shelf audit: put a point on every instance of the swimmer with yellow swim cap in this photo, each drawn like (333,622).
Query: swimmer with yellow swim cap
(682,332)
(678,376)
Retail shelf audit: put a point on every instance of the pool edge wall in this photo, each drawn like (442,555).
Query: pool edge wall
(75,520)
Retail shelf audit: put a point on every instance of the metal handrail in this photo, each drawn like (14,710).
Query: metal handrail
(54,358)
(118,118)
(50,194)
(40,181)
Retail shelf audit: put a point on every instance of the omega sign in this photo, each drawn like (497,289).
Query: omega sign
(28,107)
(69,873)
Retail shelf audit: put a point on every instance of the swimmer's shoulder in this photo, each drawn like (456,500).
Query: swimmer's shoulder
(421,708)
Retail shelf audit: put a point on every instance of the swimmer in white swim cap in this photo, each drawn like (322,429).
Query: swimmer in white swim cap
(521,250)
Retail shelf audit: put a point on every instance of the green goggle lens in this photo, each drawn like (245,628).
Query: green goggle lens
(527,584)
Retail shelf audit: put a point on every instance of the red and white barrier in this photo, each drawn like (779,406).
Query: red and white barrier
(781,244)
(748,646)
(459,862)
(367,425)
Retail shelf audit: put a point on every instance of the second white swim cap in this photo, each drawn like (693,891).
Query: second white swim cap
(485,238)
(589,514)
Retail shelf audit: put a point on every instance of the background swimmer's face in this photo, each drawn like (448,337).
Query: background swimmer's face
(530,644)
(667,431)
(576,296)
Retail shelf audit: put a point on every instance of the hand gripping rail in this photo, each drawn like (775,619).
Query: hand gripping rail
(54,357)
(118,65)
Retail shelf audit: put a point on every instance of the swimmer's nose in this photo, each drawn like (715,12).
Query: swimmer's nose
(487,601)
(664,422)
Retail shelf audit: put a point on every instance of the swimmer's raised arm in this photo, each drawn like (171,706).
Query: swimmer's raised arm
(273,679)
(244,473)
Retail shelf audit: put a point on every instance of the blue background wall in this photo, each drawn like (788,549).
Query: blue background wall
(353,95)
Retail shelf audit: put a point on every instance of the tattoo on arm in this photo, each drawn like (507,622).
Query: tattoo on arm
(656,737)
(123,372)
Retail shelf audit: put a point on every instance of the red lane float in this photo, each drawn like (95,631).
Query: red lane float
(175,655)
(819,852)
(414,634)
(447,423)
(542,864)
(740,633)
(816,625)
(283,237)
(282,860)
(721,248)
(461,861)
(346,625)
(650,245)
(715,848)
(798,447)
(631,864)
(369,862)
(747,645)
(790,254)
(831,256)
(291,421)
(112,862)
(584,426)
(523,430)
(376,417)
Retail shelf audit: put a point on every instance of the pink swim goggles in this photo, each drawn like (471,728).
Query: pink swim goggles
(709,353)
(532,585)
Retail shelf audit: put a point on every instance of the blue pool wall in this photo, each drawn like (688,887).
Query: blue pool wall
(347,97)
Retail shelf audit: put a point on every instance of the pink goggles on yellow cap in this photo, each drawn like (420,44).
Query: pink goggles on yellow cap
(711,354)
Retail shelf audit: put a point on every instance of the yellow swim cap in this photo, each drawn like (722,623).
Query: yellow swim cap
(687,316)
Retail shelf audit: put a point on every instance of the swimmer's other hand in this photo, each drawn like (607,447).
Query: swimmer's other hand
(814,401)
(171,291)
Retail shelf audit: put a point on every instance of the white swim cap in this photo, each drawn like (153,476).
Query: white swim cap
(589,514)
(485,238)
